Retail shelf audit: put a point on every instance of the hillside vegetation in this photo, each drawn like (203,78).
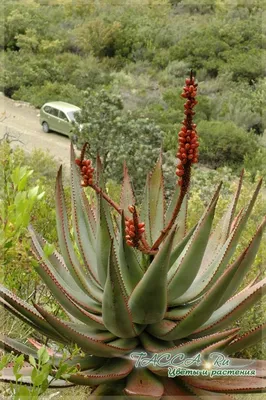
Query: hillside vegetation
(138,52)
(125,62)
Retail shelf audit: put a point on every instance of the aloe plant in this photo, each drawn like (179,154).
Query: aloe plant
(131,278)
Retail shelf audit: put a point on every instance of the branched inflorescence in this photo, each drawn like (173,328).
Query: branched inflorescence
(188,138)
(187,154)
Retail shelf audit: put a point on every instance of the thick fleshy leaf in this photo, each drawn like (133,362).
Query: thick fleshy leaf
(83,233)
(156,200)
(163,348)
(208,395)
(66,300)
(63,284)
(189,347)
(244,262)
(148,301)
(152,208)
(97,334)
(88,208)
(129,265)
(204,280)
(103,243)
(106,207)
(233,309)
(85,281)
(16,347)
(174,389)
(145,212)
(20,316)
(112,370)
(242,363)
(190,259)
(248,339)
(85,342)
(127,197)
(108,389)
(177,250)
(222,229)
(229,384)
(74,310)
(218,346)
(86,362)
(204,309)
(116,313)
(178,313)
(28,311)
(144,385)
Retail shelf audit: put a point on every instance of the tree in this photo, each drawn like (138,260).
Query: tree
(117,136)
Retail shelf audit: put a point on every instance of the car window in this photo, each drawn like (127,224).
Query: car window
(47,109)
(73,114)
(63,116)
(54,112)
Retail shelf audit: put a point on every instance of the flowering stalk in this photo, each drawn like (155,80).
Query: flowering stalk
(187,152)
(188,138)
(87,172)
(134,228)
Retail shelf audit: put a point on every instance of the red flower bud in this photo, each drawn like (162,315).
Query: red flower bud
(179,172)
(131,209)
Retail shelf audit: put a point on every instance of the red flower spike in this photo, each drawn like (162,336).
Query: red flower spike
(86,170)
(134,228)
(188,138)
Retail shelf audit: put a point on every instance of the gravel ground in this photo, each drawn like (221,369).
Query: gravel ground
(21,121)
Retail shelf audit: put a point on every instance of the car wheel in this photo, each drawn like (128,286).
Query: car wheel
(45,127)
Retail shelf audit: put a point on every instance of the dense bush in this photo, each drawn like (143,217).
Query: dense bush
(26,191)
(117,136)
(54,50)
(223,143)
(38,95)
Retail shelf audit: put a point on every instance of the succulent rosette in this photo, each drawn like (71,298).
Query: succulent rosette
(131,278)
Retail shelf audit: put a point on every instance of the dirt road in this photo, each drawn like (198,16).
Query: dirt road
(21,121)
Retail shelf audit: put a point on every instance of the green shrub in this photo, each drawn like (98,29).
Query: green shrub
(223,143)
(38,95)
(118,136)
(256,163)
